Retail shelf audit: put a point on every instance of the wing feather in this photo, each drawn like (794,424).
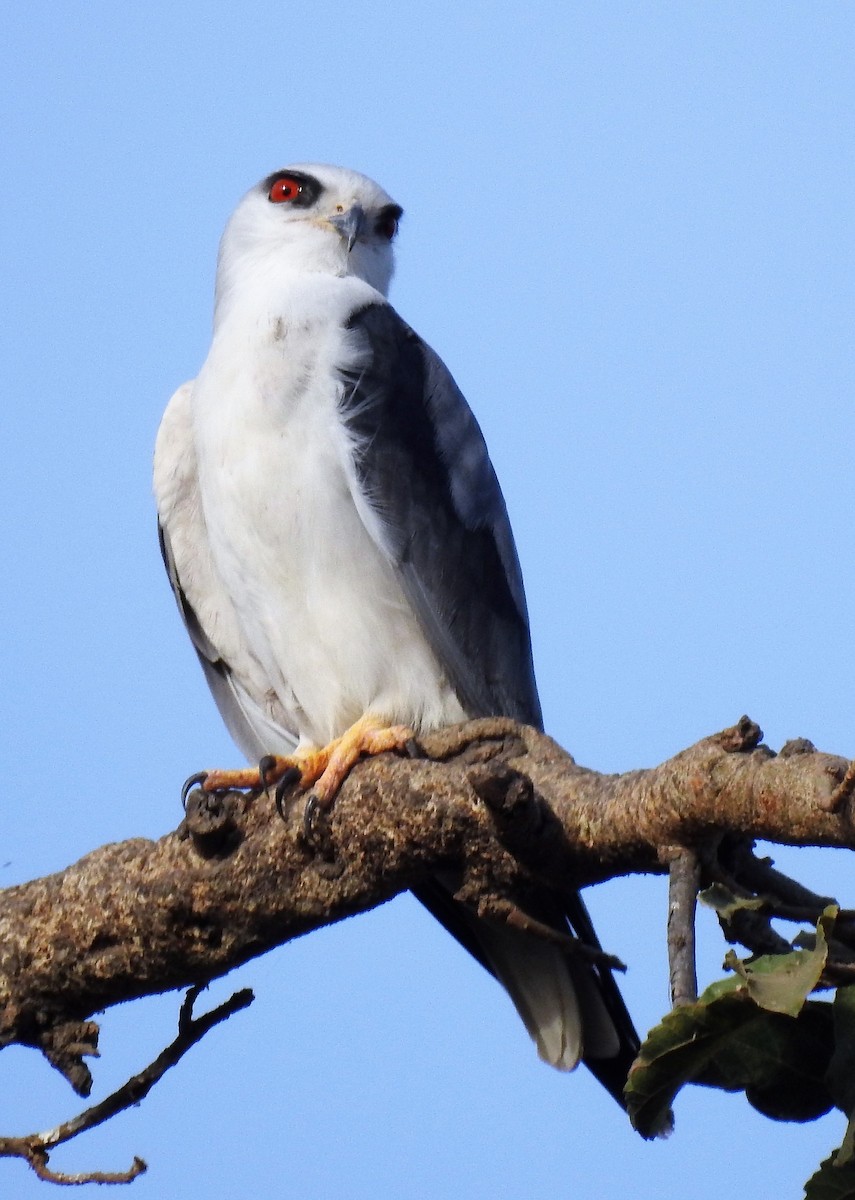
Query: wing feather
(204,606)
(422,463)
(424,468)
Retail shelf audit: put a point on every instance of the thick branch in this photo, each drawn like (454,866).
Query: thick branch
(142,917)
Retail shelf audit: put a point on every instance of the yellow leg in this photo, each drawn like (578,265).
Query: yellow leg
(367,736)
(324,769)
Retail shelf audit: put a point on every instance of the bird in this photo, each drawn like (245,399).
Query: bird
(341,554)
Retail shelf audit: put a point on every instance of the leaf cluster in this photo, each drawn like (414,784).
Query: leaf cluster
(758,1031)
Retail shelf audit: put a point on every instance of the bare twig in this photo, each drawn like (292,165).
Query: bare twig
(684,876)
(38,1159)
(754,931)
(34,1148)
(761,877)
(770,894)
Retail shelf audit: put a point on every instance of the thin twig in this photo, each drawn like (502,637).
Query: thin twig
(38,1158)
(835,973)
(34,1148)
(754,931)
(762,878)
(683,882)
(498,909)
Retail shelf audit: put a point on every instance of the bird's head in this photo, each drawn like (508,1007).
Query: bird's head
(311,218)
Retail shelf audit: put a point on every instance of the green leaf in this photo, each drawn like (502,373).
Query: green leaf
(726,903)
(832,1181)
(847,1146)
(782,983)
(840,1076)
(727,1041)
(756,1032)
(841,1069)
(723,987)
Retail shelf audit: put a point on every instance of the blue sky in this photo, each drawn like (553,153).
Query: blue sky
(629,234)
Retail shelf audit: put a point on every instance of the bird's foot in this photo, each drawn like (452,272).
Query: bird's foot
(332,764)
(322,769)
(281,771)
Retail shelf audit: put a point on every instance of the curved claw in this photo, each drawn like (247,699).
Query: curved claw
(291,776)
(266,763)
(310,812)
(190,783)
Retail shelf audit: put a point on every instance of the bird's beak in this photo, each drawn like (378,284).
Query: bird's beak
(350,224)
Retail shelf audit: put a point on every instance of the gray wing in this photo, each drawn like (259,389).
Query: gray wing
(424,467)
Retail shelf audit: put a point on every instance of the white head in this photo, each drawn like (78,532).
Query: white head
(310,218)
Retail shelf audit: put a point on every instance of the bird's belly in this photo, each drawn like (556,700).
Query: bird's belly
(318,601)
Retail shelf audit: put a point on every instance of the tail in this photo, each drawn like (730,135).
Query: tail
(571,1006)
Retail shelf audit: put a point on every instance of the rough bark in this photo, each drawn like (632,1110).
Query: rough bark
(500,803)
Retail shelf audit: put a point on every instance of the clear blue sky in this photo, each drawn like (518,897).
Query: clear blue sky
(629,233)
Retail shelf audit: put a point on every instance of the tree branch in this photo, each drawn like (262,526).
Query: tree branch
(684,877)
(500,804)
(35,1148)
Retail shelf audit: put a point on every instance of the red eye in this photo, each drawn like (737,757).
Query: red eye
(283,190)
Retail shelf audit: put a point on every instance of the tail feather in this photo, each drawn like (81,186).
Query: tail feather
(572,1008)
(535,975)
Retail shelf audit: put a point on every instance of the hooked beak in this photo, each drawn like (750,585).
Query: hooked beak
(350,224)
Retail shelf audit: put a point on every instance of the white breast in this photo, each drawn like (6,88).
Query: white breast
(317,600)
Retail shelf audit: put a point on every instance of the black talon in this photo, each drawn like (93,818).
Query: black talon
(291,776)
(266,763)
(190,783)
(412,749)
(309,813)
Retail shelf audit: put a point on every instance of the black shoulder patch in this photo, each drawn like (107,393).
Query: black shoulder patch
(424,468)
